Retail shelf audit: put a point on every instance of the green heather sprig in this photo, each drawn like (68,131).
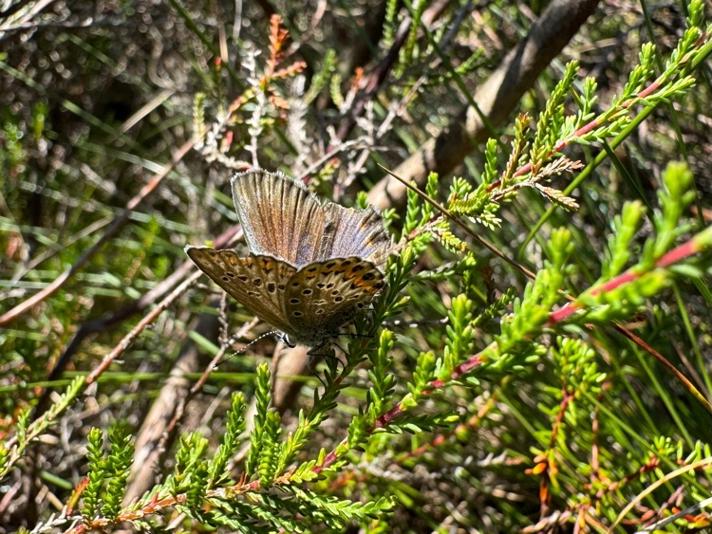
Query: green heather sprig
(383,381)
(389,23)
(322,78)
(234,427)
(575,365)
(262,402)
(108,472)
(189,461)
(13,449)
(408,51)
(269,448)
(459,342)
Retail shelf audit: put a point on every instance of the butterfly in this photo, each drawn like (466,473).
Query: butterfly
(313,265)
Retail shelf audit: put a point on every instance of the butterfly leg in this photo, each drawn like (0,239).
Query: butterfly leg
(325,351)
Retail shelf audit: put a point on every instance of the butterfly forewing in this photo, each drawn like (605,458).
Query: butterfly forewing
(355,233)
(259,283)
(278,216)
(323,296)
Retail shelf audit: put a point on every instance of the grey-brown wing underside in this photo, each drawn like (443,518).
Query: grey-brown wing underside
(259,283)
(278,216)
(354,232)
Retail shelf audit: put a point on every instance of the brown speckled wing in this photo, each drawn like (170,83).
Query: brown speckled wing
(259,283)
(324,296)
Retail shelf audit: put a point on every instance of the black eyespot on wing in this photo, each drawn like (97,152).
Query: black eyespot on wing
(294,301)
(257,282)
(368,276)
(307,291)
(271,287)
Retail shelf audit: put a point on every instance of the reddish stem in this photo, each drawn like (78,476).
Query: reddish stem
(675,255)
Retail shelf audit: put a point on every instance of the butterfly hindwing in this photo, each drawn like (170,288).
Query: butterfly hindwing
(323,296)
(259,283)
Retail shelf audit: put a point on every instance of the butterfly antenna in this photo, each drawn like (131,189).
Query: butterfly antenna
(442,209)
(243,350)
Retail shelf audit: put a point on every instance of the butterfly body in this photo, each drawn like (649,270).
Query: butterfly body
(312,266)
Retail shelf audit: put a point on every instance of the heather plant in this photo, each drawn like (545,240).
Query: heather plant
(538,358)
